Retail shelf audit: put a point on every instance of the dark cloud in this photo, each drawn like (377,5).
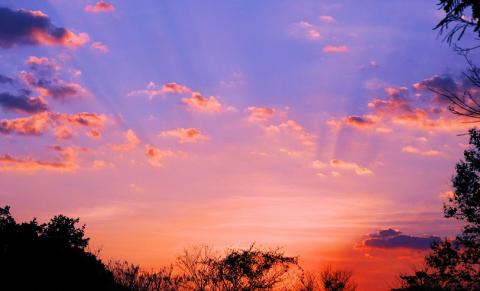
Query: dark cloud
(22,103)
(43,75)
(438,83)
(21,27)
(5,79)
(390,238)
(359,121)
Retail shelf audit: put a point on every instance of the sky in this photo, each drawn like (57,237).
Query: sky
(163,125)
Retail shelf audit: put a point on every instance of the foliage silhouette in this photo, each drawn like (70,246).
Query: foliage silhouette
(455,14)
(337,280)
(467,101)
(239,269)
(133,278)
(49,256)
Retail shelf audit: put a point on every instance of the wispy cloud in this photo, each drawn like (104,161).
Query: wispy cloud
(306,30)
(154,90)
(66,162)
(157,157)
(336,49)
(185,135)
(100,7)
(413,150)
(350,166)
(101,47)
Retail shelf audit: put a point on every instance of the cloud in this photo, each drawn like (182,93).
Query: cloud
(318,165)
(99,164)
(154,90)
(21,27)
(63,133)
(304,29)
(256,114)
(359,121)
(185,135)
(43,76)
(336,49)
(342,165)
(408,108)
(132,142)
(94,134)
(157,156)
(99,7)
(22,103)
(66,162)
(196,102)
(438,83)
(416,151)
(100,47)
(237,79)
(293,128)
(202,104)
(40,123)
(5,79)
(390,238)
(327,18)
(371,65)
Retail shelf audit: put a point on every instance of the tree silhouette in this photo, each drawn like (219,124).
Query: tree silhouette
(239,270)
(455,15)
(455,265)
(49,256)
(460,16)
(337,280)
(251,269)
(132,277)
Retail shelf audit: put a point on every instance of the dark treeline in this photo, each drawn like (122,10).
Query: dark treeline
(54,256)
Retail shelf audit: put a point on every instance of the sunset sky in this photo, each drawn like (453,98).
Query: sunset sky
(167,124)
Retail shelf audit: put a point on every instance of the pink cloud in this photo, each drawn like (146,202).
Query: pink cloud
(260,113)
(69,39)
(304,29)
(336,49)
(99,7)
(63,133)
(403,108)
(66,162)
(327,18)
(202,104)
(185,135)
(132,142)
(416,151)
(294,129)
(40,123)
(349,166)
(100,47)
(153,90)
(157,156)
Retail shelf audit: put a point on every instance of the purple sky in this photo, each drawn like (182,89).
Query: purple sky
(165,124)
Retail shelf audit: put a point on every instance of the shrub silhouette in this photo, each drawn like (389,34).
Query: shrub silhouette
(49,256)
(200,268)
